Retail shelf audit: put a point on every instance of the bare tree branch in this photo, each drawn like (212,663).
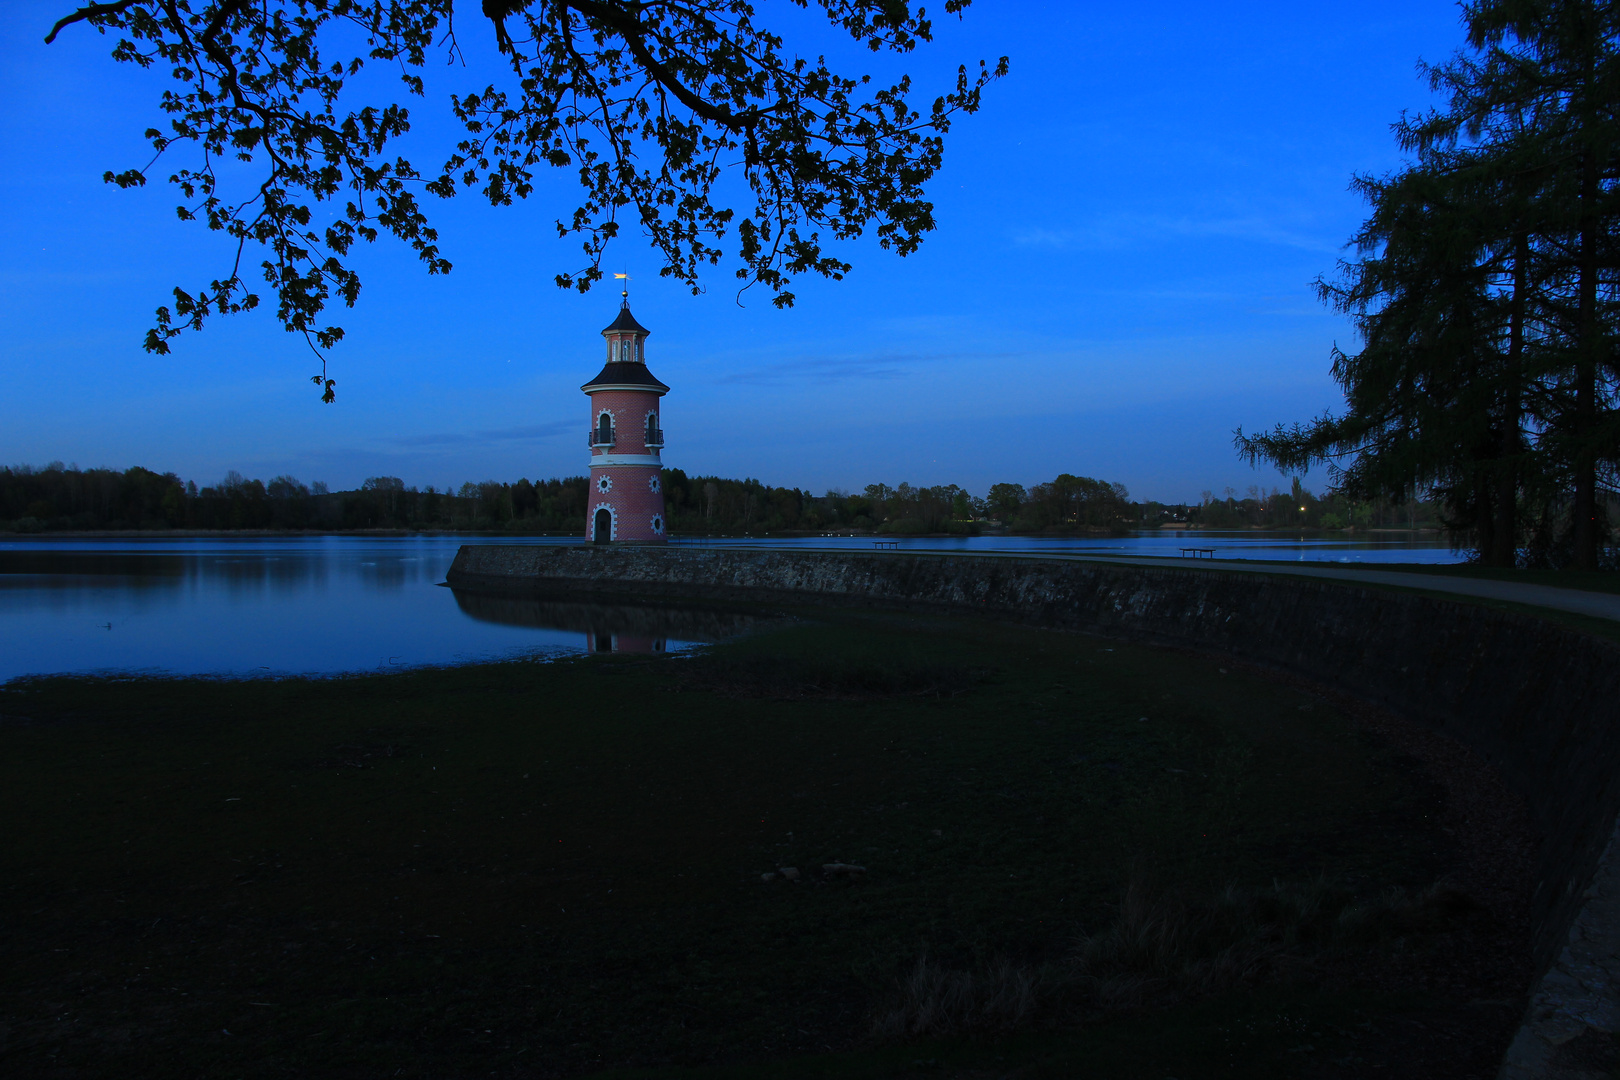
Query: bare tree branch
(89,11)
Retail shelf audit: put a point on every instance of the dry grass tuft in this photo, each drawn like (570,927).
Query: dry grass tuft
(934,1000)
(1163,948)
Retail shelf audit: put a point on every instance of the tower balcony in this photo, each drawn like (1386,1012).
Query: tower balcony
(655,439)
(600,438)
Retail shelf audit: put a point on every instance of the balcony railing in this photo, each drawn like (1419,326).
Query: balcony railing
(655,439)
(600,438)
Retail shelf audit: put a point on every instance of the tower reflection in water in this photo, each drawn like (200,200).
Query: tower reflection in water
(612,628)
(625,643)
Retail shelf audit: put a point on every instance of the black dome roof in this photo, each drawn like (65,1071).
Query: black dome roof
(625,322)
(626,373)
(630,373)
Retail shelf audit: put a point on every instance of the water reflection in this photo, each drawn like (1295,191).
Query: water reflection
(350,603)
(265,605)
(609,628)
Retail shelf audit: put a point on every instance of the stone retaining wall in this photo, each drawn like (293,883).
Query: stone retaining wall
(1540,702)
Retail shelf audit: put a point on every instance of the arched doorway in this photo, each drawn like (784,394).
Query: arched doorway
(603,530)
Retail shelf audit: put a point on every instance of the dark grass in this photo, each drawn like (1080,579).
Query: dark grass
(1603,581)
(1589,581)
(1590,625)
(535,869)
(1268,1034)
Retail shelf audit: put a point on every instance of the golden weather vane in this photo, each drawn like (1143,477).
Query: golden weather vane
(626,279)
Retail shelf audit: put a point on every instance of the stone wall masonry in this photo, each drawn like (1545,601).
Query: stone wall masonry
(1539,701)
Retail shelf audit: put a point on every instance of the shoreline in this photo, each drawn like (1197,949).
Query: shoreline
(180,534)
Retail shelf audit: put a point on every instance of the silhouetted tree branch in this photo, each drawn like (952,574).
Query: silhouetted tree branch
(650,102)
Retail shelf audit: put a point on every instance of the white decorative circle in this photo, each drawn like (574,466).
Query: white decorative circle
(658,523)
(654,483)
(604,484)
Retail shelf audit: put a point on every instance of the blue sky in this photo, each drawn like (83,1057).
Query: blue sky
(1128,232)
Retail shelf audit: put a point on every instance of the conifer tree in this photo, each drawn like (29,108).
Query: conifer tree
(1484,292)
(1558,62)
(1421,412)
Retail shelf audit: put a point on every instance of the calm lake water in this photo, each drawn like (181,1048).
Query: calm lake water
(338,604)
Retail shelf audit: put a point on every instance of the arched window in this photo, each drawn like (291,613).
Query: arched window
(624,350)
(654,437)
(604,430)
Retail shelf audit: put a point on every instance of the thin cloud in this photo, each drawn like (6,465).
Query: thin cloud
(1052,238)
(533,431)
(442,439)
(842,368)
(528,433)
(1134,230)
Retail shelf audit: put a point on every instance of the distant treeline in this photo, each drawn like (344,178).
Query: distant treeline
(58,498)
(1299,508)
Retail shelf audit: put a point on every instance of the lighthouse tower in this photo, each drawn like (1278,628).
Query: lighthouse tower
(626,498)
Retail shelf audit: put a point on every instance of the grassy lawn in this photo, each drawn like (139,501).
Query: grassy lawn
(1604,581)
(549,869)
(1580,580)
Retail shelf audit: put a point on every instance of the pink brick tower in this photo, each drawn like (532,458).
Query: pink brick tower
(627,497)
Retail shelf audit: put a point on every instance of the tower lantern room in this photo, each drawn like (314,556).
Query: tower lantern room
(626,503)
